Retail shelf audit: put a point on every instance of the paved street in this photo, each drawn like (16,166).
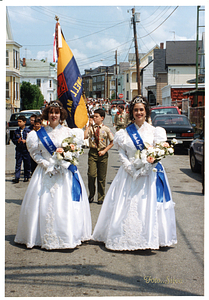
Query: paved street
(92,270)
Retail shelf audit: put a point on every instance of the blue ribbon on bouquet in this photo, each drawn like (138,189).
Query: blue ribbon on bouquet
(135,136)
(161,185)
(51,148)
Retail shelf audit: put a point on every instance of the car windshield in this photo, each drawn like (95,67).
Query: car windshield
(160,121)
(15,116)
(169,110)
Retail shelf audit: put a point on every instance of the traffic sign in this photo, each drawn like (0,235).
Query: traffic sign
(120,96)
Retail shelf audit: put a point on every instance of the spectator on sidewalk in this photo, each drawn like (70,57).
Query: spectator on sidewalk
(22,154)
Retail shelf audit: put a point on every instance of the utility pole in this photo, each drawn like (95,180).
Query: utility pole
(198,54)
(107,81)
(136,51)
(116,76)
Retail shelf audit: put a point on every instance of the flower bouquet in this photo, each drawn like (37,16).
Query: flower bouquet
(150,155)
(67,154)
(70,150)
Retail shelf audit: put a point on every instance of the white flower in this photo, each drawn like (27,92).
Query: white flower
(64,144)
(154,170)
(174,141)
(68,155)
(59,156)
(170,150)
(151,150)
(161,152)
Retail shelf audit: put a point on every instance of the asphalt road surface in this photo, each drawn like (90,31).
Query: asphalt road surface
(91,270)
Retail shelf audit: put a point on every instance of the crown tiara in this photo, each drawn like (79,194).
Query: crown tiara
(139,100)
(55,104)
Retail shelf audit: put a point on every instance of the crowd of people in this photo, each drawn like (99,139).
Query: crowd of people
(55,212)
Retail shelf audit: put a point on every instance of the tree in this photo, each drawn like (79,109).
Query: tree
(113,96)
(31,96)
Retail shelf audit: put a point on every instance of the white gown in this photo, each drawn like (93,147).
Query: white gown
(49,217)
(130,217)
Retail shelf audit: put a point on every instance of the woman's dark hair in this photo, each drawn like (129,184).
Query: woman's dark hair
(139,99)
(56,106)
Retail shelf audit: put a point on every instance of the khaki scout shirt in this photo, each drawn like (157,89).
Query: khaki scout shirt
(105,134)
(120,119)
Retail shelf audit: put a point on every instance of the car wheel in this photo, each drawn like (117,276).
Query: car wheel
(194,164)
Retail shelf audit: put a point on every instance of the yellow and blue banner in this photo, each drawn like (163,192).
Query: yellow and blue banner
(70,83)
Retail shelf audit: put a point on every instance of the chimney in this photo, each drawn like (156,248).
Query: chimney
(161,45)
(24,63)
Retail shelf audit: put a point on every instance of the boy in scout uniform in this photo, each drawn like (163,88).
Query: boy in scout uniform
(120,118)
(98,135)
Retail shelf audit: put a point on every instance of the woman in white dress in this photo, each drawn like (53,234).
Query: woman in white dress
(53,215)
(132,217)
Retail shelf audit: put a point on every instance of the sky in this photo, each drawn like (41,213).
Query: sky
(94,33)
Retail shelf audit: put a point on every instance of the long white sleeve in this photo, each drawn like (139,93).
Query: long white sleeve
(33,147)
(127,165)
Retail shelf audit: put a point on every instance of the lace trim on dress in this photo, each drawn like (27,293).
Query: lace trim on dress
(51,184)
(132,234)
(50,240)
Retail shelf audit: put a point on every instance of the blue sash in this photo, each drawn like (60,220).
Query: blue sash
(49,145)
(135,136)
(46,141)
(161,185)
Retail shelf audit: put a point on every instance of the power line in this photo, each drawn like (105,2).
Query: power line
(160,23)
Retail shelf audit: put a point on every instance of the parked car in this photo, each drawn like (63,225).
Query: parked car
(155,110)
(196,153)
(7,133)
(116,102)
(176,126)
(13,124)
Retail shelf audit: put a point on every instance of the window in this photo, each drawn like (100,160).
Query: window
(50,83)
(7,90)
(14,86)
(127,77)
(17,91)
(15,59)
(38,82)
(7,57)
(127,95)
(149,59)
